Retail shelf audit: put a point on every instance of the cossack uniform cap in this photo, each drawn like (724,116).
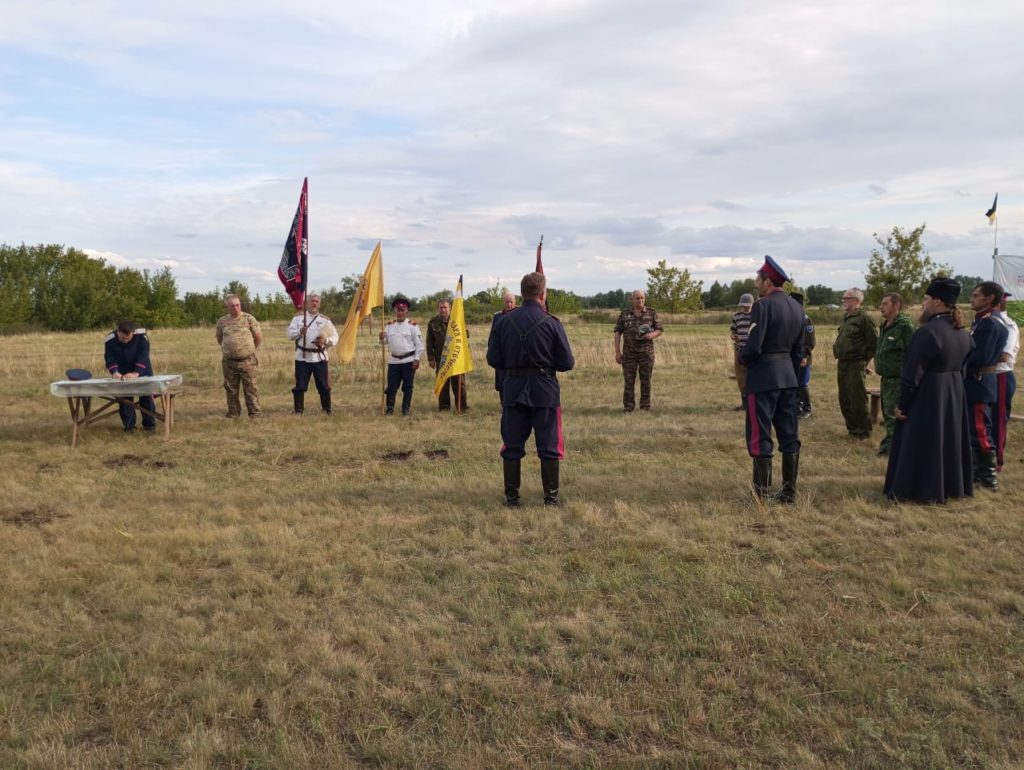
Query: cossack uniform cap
(772,270)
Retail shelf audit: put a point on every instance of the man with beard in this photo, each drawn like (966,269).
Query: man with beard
(980,383)
(930,457)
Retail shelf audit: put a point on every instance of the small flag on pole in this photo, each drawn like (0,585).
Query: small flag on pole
(540,265)
(293,268)
(455,357)
(991,213)
(369,295)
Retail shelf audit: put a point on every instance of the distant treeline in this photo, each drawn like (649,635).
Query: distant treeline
(57,288)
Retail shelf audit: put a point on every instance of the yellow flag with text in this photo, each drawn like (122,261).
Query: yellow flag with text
(455,357)
(369,295)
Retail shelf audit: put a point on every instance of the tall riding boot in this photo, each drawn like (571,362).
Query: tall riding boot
(790,470)
(325,402)
(406,401)
(511,469)
(298,397)
(762,477)
(549,480)
(986,475)
(389,404)
(805,401)
(976,465)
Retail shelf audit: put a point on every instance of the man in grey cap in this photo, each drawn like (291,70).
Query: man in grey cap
(738,331)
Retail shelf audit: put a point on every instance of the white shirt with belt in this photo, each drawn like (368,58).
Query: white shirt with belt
(318,326)
(404,341)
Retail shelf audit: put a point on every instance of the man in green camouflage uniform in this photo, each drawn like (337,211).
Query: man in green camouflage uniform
(239,336)
(635,332)
(854,348)
(893,339)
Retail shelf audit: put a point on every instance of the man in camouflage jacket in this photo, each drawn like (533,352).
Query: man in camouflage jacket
(635,332)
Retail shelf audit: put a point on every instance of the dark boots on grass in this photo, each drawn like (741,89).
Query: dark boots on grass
(548,478)
(762,479)
(984,469)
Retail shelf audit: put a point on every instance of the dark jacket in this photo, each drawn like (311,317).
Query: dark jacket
(127,357)
(775,343)
(530,345)
(893,340)
(989,335)
(856,339)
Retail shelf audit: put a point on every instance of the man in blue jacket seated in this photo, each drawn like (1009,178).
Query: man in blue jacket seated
(530,345)
(126,355)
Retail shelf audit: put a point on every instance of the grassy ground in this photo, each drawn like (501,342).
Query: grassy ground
(288,593)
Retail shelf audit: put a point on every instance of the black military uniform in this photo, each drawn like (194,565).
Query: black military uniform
(772,353)
(530,346)
(125,358)
(980,386)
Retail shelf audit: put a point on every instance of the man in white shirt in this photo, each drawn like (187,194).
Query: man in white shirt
(313,335)
(405,347)
(1005,378)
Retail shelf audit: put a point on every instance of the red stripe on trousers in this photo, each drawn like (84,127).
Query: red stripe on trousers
(754,447)
(979,428)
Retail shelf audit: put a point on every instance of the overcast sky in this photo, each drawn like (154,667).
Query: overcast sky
(458,131)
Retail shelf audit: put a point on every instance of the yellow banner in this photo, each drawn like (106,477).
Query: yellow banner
(455,358)
(369,295)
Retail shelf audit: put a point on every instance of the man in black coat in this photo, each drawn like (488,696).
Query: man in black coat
(773,352)
(530,345)
(930,456)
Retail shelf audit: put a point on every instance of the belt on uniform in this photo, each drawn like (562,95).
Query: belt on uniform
(310,350)
(535,371)
(400,356)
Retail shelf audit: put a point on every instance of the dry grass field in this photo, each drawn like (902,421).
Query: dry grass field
(338,592)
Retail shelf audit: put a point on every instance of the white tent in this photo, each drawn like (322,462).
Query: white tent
(1008,271)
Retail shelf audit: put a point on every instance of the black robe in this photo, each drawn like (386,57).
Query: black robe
(930,457)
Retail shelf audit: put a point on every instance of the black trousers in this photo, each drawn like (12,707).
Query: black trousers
(776,408)
(318,370)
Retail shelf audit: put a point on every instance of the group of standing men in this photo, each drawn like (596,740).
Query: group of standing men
(946,393)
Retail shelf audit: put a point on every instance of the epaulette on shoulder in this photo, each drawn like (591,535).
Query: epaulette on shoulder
(390,322)
(142,331)
(109,337)
(412,322)
(552,315)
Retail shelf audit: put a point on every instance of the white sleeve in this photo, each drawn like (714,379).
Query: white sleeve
(294,328)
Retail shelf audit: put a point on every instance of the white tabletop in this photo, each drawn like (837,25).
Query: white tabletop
(138,386)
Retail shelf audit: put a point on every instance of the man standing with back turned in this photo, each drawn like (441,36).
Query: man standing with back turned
(854,348)
(773,352)
(531,346)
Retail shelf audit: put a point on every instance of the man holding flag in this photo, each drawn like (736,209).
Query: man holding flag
(313,335)
(441,343)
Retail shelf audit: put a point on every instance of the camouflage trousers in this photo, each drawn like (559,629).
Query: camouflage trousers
(890,392)
(634,363)
(240,374)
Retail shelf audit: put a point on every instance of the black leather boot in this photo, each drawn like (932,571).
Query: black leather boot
(511,469)
(790,470)
(298,398)
(805,401)
(325,402)
(389,404)
(762,480)
(986,473)
(549,481)
(406,401)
